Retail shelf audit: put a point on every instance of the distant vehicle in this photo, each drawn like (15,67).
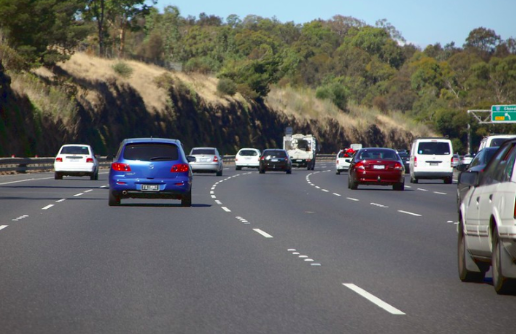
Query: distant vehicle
(477,164)
(487,223)
(466,159)
(247,157)
(76,160)
(432,158)
(456,160)
(494,140)
(376,166)
(343,160)
(150,168)
(301,149)
(405,157)
(207,160)
(275,160)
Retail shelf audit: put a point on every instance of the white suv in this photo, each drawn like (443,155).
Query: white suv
(487,222)
(431,158)
(494,140)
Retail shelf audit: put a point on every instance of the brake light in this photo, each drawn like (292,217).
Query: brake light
(89,160)
(236,158)
(398,166)
(360,165)
(215,159)
(415,161)
(263,157)
(59,159)
(120,167)
(180,168)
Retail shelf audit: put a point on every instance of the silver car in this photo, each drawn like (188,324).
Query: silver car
(207,160)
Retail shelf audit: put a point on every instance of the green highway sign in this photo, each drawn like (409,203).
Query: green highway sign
(503,114)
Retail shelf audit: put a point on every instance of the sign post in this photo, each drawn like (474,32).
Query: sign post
(503,114)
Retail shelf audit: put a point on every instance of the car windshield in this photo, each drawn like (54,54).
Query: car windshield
(275,154)
(75,150)
(434,148)
(248,153)
(488,154)
(201,151)
(377,154)
(497,141)
(151,152)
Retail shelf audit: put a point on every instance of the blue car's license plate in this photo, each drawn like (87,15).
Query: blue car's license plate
(150,187)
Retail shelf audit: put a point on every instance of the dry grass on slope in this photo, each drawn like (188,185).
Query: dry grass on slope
(142,79)
(303,105)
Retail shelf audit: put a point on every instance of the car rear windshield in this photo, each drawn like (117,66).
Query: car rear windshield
(276,154)
(206,151)
(434,148)
(75,150)
(151,152)
(377,154)
(248,153)
(497,141)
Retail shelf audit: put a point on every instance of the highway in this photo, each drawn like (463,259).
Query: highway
(256,253)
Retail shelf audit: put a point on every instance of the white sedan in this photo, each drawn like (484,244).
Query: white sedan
(247,157)
(487,226)
(76,160)
(343,160)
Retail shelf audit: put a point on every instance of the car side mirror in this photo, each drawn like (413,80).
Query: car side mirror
(462,167)
(191,158)
(471,178)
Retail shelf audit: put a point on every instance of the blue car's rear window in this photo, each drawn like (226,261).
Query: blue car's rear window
(151,152)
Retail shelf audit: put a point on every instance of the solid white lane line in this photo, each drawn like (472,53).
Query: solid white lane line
(410,213)
(265,234)
(26,180)
(226,209)
(79,194)
(291,250)
(3,226)
(218,202)
(352,199)
(47,207)
(61,200)
(439,193)
(315,264)
(373,299)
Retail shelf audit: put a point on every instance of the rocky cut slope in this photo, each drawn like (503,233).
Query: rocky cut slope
(155,102)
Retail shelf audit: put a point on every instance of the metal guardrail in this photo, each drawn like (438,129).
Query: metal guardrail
(24,165)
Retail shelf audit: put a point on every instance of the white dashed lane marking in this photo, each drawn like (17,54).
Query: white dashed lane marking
(353,199)
(375,300)
(3,226)
(410,213)
(226,209)
(265,234)
(20,218)
(379,205)
(47,207)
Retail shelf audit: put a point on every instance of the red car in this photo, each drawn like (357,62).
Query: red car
(376,166)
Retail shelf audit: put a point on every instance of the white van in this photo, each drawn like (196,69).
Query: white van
(494,140)
(431,158)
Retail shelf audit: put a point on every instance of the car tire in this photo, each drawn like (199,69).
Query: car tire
(289,171)
(262,171)
(337,172)
(219,173)
(114,200)
(501,284)
(186,200)
(466,275)
(96,175)
(92,176)
(58,176)
(448,180)
(352,184)
(399,186)
(413,180)
(238,167)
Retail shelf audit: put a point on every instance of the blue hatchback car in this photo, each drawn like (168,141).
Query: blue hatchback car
(150,168)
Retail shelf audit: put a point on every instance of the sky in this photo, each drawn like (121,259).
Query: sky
(420,22)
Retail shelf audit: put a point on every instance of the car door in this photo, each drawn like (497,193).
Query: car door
(492,196)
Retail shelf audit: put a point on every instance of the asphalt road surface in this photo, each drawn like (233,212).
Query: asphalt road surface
(256,253)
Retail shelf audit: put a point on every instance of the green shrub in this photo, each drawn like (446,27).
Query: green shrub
(122,69)
(335,92)
(164,81)
(227,87)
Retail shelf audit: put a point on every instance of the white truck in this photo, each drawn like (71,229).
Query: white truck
(301,150)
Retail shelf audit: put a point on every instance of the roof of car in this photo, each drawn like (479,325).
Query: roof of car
(150,140)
